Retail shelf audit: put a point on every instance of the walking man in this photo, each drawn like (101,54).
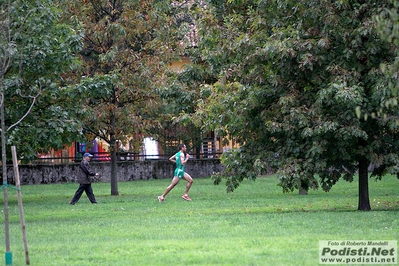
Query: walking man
(180,159)
(84,179)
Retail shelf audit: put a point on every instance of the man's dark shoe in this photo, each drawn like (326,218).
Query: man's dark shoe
(71,203)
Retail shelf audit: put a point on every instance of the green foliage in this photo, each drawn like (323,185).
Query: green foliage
(130,44)
(36,49)
(290,77)
(387,23)
(236,169)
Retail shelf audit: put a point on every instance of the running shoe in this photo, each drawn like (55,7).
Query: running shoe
(186,197)
(160,198)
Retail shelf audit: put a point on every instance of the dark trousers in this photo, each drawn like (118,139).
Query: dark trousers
(89,192)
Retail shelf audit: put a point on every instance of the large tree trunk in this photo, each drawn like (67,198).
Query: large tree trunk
(114,175)
(114,150)
(303,189)
(364,201)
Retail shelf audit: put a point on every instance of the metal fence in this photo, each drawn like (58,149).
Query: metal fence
(106,157)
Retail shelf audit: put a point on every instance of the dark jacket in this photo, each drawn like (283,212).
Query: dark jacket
(85,172)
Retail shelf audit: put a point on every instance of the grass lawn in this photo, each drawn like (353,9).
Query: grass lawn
(255,225)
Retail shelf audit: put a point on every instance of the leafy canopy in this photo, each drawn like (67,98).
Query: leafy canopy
(35,49)
(290,76)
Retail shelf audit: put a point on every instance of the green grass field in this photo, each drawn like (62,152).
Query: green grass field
(255,225)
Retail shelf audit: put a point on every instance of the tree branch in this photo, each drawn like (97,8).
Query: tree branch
(30,107)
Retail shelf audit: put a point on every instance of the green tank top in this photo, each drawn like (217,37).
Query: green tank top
(179,171)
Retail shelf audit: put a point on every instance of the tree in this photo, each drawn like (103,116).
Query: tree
(34,50)
(128,46)
(291,75)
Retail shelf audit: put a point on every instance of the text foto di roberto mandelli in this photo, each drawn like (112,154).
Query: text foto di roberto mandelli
(358,243)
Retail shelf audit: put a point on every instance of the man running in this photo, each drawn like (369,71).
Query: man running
(180,159)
